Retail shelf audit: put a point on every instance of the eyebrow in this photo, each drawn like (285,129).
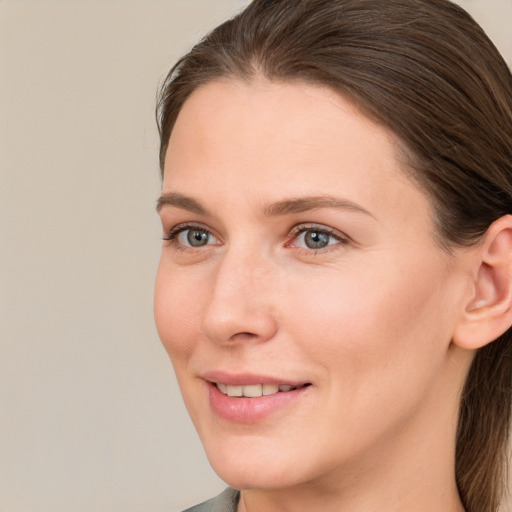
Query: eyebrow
(285,207)
(304,204)
(180,201)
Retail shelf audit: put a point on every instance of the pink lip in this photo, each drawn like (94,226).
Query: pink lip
(249,410)
(246,379)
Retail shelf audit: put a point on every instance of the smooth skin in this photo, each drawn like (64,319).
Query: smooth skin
(296,246)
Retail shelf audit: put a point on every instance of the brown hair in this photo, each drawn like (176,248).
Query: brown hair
(427,71)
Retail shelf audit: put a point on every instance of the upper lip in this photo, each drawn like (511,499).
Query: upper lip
(241,379)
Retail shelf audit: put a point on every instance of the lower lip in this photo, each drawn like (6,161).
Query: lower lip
(251,410)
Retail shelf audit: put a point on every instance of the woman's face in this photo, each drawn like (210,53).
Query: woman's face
(298,254)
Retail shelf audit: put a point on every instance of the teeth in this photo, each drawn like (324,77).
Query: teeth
(253,390)
(270,389)
(234,390)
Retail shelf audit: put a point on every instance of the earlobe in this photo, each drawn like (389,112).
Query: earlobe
(488,313)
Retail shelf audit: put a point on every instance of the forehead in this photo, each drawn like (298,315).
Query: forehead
(269,139)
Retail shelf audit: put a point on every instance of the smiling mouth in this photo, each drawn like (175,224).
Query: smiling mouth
(256,390)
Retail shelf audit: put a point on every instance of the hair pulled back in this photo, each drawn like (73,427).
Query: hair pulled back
(426,71)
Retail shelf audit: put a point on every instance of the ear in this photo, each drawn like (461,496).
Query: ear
(488,313)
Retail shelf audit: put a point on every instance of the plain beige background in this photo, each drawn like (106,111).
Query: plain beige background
(90,415)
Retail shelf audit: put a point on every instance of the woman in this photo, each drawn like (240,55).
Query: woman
(334,289)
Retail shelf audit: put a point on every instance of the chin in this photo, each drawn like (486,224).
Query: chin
(243,477)
(255,462)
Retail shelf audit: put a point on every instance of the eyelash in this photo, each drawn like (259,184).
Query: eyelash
(294,234)
(175,232)
(319,229)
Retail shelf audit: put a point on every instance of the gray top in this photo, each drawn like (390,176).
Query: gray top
(227,501)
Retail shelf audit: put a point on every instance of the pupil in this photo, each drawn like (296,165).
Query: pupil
(197,238)
(316,240)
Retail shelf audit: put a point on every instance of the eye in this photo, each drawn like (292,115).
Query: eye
(315,238)
(191,236)
(194,237)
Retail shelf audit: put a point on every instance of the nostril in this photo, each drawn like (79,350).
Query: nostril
(242,335)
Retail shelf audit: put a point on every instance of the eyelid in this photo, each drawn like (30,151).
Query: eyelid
(310,226)
(173,234)
(175,231)
(320,228)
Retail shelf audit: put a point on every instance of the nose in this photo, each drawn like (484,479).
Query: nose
(241,306)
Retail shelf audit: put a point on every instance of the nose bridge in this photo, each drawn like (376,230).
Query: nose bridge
(240,303)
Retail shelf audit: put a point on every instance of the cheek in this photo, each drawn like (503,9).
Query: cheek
(387,322)
(381,342)
(177,310)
